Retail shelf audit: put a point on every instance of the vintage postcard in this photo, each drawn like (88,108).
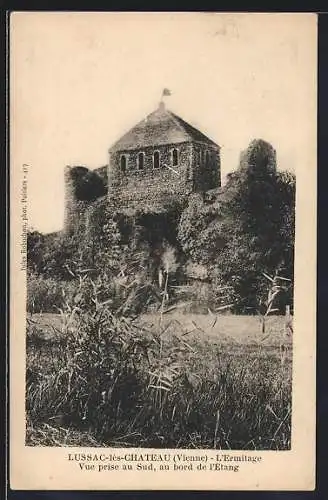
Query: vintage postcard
(162,251)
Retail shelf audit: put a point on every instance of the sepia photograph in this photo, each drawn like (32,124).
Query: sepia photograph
(160,163)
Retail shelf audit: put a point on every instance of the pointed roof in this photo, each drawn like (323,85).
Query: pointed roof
(159,128)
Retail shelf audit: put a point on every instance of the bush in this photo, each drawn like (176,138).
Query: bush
(248,230)
(55,255)
(47,294)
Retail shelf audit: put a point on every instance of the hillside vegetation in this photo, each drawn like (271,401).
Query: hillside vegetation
(216,251)
(130,357)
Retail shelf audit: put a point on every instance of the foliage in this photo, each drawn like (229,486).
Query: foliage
(120,384)
(53,256)
(106,378)
(200,230)
(248,230)
(46,294)
(258,201)
(87,185)
(35,251)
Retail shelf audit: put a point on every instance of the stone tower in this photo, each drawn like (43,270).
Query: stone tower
(162,159)
(82,187)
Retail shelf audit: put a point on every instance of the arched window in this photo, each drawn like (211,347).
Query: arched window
(141,161)
(123,164)
(156,159)
(175,157)
(207,158)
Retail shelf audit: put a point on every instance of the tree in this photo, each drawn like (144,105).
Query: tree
(35,251)
(259,203)
(51,255)
(248,230)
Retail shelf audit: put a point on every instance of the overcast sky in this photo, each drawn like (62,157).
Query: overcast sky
(81,80)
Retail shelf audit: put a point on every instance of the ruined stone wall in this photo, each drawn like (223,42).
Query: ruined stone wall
(152,187)
(206,167)
(71,212)
(82,187)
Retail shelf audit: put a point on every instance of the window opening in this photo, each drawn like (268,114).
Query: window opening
(175,157)
(141,161)
(123,164)
(156,159)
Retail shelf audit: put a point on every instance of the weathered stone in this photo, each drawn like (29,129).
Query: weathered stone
(176,160)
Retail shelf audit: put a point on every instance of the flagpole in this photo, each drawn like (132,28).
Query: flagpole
(165,93)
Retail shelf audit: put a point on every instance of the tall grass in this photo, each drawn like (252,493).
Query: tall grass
(105,379)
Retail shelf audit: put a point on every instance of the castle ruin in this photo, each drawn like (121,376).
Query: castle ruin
(162,159)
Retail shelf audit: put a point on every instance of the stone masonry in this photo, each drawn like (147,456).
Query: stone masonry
(162,159)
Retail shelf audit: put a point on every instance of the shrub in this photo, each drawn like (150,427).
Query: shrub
(47,294)
(247,230)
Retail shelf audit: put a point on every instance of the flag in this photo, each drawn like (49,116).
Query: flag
(166,92)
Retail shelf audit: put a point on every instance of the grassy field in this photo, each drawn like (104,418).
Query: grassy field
(228,328)
(191,381)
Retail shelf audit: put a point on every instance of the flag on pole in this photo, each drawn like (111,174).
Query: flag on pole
(166,92)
